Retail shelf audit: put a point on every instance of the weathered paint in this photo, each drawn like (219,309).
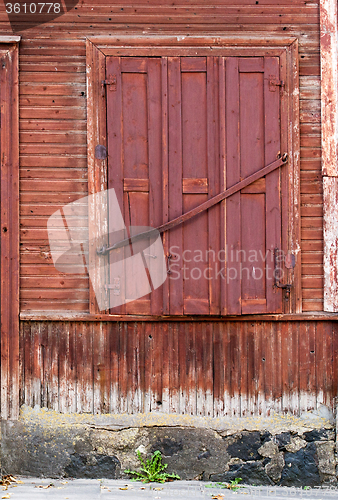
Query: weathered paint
(329,86)
(329,111)
(9,186)
(211,369)
(330,194)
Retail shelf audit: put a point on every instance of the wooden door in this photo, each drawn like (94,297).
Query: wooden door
(181,130)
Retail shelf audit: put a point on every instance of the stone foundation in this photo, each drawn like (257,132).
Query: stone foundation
(279,450)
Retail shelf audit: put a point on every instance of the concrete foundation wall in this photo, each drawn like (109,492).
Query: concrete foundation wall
(282,450)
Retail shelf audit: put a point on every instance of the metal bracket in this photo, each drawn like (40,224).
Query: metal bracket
(274,83)
(112,82)
(277,283)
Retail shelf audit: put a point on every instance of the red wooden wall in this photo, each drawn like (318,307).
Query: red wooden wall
(211,368)
(53,121)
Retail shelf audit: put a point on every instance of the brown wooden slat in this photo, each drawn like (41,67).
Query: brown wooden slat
(141,185)
(194,186)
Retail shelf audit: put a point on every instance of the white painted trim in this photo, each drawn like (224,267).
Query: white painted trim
(329,128)
(10,39)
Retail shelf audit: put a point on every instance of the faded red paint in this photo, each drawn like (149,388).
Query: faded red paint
(200,368)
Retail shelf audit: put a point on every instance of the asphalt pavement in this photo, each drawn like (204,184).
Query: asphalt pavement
(109,489)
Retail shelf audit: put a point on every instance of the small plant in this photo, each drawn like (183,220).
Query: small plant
(152,470)
(233,485)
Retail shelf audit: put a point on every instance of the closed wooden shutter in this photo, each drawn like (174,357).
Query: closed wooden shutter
(181,130)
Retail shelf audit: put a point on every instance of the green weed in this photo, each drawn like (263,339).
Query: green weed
(152,470)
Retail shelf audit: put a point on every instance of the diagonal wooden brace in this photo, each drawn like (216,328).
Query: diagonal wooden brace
(201,208)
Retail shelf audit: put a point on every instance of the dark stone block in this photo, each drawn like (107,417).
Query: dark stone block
(282,440)
(246,447)
(205,454)
(301,468)
(92,466)
(266,436)
(252,473)
(168,447)
(317,435)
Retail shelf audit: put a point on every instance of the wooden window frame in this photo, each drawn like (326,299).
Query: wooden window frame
(98,47)
(9,184)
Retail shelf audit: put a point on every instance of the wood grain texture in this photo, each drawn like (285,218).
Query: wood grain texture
(53,95)
(179,367)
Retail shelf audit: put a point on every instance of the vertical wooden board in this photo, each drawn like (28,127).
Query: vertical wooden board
(97,169)
(191,368)
(222,182)
(165,331)
(275,355)
(174,368)
(101,368)
(175,180)
(253,248)
(71,368)
(200,375)
(290,368)
(225,331)
(219,370)
(267,368)
(324,364)
(194,159)
(233,222)
(84,367)
(123,368)
(115,156)
(36,364)
(9,147)
(334,326)
(208,368)
(261,338)
(148,354)
(215,181)
(154,107)
(134,125)
(114,354)
(157,356)
(53,365)
(165,172)
(26,348)
(63,354)
(307,370)
(251,130)
(251,122)
(251,367)
(131,371)
(183,363)
(236,368)
(272,146)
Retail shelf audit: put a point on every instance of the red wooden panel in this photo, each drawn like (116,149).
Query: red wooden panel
(175,182)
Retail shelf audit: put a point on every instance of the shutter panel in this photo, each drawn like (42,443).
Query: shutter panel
(253,216)
(180,131)
(135,154)
(194,176)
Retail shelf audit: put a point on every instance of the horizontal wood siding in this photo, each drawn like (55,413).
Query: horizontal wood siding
(201,368)
(53,120)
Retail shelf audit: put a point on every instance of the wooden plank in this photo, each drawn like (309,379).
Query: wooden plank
(9,143)
(141,185)
(175,176)
(191,186)
(154,124)
(232,223)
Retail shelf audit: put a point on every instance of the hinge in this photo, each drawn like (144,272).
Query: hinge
(112,82)
(274,83)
